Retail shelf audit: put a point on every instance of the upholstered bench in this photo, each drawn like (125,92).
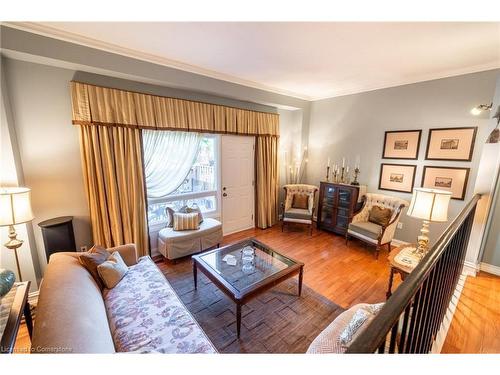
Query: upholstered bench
(176,244)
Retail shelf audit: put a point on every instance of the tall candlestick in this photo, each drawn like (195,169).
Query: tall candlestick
(328,165)
(343,162)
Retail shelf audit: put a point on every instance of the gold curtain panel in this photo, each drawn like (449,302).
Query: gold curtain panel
(112,107)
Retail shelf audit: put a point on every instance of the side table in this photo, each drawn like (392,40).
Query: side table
(396,267)
(12,307)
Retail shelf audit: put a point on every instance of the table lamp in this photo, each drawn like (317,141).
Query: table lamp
(432,206)
(15,208)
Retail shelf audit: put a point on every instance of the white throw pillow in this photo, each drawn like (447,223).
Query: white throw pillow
(112,270)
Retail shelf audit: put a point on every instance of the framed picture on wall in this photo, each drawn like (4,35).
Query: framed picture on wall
(451,144)
(447,178)
(401,144)
(397,177)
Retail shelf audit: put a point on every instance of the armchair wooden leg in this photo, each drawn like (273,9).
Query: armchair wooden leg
(389,247)
(282,225)
(347,239)
(377,252)
(310,229)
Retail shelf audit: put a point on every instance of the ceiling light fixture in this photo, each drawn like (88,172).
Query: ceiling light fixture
(480,108)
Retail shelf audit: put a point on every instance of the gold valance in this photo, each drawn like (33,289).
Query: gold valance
(112,107)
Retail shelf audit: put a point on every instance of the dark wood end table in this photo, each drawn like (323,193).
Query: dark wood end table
(12,308)
(396,267)
(268,269)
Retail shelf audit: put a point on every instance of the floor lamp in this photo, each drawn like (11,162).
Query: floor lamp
(15,208)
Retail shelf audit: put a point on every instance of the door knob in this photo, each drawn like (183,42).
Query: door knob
(224,195)
(224,188)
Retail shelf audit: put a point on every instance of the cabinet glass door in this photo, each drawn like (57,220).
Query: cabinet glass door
(327,205)
(344,197)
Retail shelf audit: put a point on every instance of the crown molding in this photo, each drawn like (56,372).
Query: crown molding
(40,29)
(44,30)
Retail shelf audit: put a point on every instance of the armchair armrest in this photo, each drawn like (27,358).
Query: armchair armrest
(389,230)
(128,253)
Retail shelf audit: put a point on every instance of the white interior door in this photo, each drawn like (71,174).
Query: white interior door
(237,183)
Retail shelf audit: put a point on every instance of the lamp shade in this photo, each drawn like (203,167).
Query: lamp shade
(15,206)
(429,204)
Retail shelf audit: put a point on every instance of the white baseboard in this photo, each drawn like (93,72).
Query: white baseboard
(490,268)
(470,268)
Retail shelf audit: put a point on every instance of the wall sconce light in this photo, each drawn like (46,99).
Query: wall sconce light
(476,111)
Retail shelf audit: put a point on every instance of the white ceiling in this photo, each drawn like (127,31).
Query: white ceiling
(305,60)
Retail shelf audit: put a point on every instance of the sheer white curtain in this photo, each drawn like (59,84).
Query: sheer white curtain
(168,158)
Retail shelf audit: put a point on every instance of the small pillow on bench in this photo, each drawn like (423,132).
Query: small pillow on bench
(186,221)
(380,215)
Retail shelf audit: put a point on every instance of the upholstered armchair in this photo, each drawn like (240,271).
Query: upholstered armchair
(376,231)
(299,205)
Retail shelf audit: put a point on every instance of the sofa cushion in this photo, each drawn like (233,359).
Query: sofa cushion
(380,215)
(300,201)
(145,315)
(112,270)
(328,341)
(92,259)
(366,228)
(70,315)
(297,213)
(186,221)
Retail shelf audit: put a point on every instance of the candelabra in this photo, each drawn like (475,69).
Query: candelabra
(356,173)
(335,175)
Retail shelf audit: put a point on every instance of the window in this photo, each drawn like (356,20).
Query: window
(198,187)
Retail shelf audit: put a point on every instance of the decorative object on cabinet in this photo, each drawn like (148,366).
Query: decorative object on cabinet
(295,214)
(455,144)
(453,179)
(7,279)
(428,205)
(401,144)
(372,233)
(15,208)
(397,177)
(337,205)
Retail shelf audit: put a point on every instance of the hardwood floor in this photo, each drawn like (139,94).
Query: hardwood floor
(350,274)
(475,327)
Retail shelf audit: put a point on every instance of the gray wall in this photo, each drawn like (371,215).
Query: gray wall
(49,144)
(491,251)
(355,124)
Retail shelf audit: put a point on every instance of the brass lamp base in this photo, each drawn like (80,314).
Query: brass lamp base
(423,240)
(14,244)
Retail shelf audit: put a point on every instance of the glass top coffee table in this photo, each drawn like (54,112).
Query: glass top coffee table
(257,268)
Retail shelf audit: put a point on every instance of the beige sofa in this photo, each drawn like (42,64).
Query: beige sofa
(75,316)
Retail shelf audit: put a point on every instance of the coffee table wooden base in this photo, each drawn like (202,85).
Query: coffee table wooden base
(241,301)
